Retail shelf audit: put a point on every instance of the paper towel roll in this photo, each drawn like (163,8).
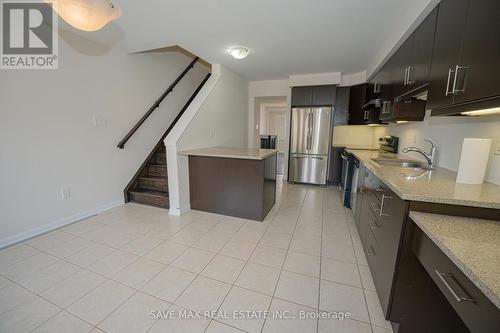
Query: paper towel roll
(473,161)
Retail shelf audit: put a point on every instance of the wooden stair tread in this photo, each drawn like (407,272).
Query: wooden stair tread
(160,179)
(150,192)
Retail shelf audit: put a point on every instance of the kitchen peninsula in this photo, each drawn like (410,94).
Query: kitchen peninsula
(239,182)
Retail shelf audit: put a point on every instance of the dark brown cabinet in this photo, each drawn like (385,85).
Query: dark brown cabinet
(357,98)
(341,112)
(466,59)
(480,60)
(314,95)
(451,19)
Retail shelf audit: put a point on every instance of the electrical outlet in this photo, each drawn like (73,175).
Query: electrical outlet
(65,193)
(497,148)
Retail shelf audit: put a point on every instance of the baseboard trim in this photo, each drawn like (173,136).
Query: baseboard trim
(23,236)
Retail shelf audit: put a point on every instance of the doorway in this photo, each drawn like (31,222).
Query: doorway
(271,119)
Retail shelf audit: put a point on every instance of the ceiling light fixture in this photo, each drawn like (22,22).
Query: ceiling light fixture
(239,52)
(401,121)
(87,15)
(481,112)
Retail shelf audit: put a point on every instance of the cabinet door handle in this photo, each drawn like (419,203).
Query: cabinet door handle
(379,188)
(372,224)
(382,205)
(411,72)
(406,77)
(374,207)
(442,277)
(457,71)
(370,251)
(450,71)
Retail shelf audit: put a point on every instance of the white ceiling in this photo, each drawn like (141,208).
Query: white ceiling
(286,37)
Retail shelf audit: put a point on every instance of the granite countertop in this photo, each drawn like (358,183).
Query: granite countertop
(472,244)
(224,152)
(437,186)
(355,146)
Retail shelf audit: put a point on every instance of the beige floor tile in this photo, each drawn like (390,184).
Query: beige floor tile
(69,248)
(13,295)
(100,302)
(360,255)
(302,263)
(113,263)
(377,329)
(375,310)
(203,294)
(4,282)
(134,316)
(339,251)
(73,288)
(110,236)
(339,297)
(164,231)
(141,245)
(259,278)
(49,276)
(211,242)
(138,273)
(193,260)
(342,326)
(270,256)
(298,288)
(239,249)
(217,327)
(187,236)
(25,268)
(224,268)
(366,277)
(305,245)
(169,283)
(179,325)
(249,234)
(90,255)
(15,254)
(240,299)
(64,322)
(288,325)
(340,271)
(166,252)
(50,240)
(27,316)
(276,239)
(83,227)
(227,227)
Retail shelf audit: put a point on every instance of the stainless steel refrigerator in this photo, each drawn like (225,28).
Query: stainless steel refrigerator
(310,144)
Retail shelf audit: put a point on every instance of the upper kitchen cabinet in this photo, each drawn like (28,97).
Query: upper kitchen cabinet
(357,98)
(447,44)
(341,112)
(466,61)
(478,74)
(314,95)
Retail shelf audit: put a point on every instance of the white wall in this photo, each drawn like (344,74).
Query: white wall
(217,117)
(448,135)
(48,140)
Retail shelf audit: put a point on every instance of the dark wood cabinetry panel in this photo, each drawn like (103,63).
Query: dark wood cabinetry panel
(323,95)
(357,98)
(446,55)
(479,72)
(341,111)
(302,96)
(335,171)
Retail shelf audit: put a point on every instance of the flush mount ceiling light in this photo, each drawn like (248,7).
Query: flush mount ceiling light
(482,112)
(87,15)
(239,52)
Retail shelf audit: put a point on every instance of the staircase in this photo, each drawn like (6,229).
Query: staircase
(149,186)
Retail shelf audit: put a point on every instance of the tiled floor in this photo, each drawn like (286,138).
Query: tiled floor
(109,272)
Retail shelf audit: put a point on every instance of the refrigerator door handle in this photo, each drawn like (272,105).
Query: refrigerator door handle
(317,158)
(309,130)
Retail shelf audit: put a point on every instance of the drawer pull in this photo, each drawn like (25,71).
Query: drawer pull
(443,276)
(370,251)
(373,225)
(382,205)
(379,189)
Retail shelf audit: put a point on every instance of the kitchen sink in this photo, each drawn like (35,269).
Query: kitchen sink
(401,163)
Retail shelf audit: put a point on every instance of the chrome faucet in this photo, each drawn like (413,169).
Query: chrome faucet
(430,157)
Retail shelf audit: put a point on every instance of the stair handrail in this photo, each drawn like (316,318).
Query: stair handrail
(174,122)
(122,143)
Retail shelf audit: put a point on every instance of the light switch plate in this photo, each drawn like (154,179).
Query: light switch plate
(497,148)
(65,193)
